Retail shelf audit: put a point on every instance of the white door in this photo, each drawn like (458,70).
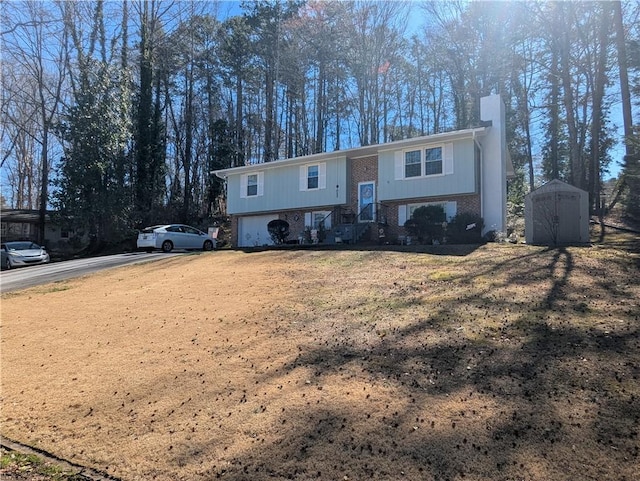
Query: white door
(253,232)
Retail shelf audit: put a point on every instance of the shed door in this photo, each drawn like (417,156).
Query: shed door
(556,218)
(545,219)
(568,205)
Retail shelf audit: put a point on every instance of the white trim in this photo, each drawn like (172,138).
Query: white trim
(402,215)
(244,184)
(304,176)
(447,159)
(260,184)
(399,165)
(372,203)
(450,209)
(322,175)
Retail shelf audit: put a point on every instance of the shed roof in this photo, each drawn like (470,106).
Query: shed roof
(556,185)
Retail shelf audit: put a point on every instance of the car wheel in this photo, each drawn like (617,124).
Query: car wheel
(208,245)
(8,265)
(167,246)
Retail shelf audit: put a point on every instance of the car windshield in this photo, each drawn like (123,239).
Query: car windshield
(21,246)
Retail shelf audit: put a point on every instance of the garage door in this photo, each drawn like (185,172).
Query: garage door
(253,232)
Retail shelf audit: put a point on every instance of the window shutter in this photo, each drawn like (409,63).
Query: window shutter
(322,176)
(260,183)
(402,215)
(399,165)
(450,209)
(307,219)
(448,158)
(303,177)
(243,186)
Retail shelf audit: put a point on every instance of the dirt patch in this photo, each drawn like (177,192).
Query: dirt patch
(509,362)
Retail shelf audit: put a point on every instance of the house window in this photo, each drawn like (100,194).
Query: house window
(252,185)
(405,212)
(312,177)
(318,218)
(412,164)
(424,162)
(433,161)
(314,219)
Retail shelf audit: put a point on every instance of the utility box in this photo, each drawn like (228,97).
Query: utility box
(556,214)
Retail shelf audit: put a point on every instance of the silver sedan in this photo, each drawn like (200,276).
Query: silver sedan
(22,253)
(174,236)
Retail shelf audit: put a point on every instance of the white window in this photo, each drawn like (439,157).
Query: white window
(433,161)
(313,219)
(313,176)
(252,185)
(406,211)
(425,162)
(413,163)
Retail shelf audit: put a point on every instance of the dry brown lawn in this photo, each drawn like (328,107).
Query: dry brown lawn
(498,363)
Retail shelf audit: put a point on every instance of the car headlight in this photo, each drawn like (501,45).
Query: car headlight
(15,254)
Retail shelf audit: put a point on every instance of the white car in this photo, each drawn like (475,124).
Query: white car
(174,236)
(22,253)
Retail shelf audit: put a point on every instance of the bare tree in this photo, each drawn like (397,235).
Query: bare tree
(35,46)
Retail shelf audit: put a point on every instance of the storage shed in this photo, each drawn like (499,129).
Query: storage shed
(556,213)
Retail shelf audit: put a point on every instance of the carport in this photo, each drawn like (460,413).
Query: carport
(557,213)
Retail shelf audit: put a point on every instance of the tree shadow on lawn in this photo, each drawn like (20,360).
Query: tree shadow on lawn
(460,250)
(549,392)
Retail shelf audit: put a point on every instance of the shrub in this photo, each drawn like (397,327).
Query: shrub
(278,230)
(465,228)
(427,223)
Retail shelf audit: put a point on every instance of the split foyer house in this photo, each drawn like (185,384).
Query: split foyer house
(368,193)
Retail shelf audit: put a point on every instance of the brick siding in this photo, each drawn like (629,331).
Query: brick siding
(464,203)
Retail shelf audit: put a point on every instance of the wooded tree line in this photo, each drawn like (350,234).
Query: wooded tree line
(115,113)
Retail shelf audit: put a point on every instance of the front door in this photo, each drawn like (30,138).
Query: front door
(366,201)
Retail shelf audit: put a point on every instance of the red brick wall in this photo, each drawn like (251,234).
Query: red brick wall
(464,203)
(363,169)
(234,231)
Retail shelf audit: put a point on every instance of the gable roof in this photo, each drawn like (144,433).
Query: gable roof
(555,185)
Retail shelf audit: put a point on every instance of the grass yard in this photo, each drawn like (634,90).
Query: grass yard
(505,362)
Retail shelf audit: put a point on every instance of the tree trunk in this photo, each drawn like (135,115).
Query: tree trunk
(576,173)
(598,94)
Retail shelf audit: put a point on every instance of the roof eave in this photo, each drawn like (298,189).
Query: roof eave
(356,151)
